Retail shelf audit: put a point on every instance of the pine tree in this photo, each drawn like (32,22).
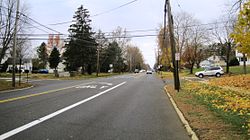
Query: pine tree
(42,56)
(54,58)
(81,49)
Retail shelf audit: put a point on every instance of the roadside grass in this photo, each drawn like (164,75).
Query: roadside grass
(204,120)
(77,77)
(5,74)
(232,106)
(221,106)
(7,85)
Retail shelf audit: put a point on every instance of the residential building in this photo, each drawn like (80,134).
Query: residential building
(213,61)
(239,56)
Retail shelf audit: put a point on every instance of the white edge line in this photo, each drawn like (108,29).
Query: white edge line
(40,120)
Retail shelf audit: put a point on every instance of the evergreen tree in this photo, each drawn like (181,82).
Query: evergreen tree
(42,55)
(81,49)
(54,58)
(113,55)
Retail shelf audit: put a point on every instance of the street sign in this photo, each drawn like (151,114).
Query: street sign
(177,56)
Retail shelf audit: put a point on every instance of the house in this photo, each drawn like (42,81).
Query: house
(213,61)
(26,65)
(239,56)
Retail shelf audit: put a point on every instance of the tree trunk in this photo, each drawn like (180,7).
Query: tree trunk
(228,56)
(191,68)
(83,70)
(89,69)
(56,73)
(244,64)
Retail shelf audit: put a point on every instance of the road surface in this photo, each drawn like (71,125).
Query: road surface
(127,107)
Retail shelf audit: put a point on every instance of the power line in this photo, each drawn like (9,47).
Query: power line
(32,20)
(105,12)
(40,23)
(132,36)
(98,14)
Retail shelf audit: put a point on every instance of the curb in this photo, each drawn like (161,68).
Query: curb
(6,91)
(191,133)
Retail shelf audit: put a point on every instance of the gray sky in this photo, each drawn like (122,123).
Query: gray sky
(140,15)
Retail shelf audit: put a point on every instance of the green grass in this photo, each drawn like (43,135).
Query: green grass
(237,69)
(5,74)
(77,77)
(233,69)
(7,85)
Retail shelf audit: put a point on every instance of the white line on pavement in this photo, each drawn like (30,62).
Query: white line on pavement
(40,120)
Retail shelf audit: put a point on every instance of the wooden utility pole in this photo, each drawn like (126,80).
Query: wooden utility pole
(98,61)
(172,43)
(14,47)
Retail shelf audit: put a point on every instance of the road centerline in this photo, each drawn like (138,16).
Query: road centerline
(41,93)
(47,117)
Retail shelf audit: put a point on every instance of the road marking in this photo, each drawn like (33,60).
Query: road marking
(87,86)
(103,87)
(105,83)
(38,94)
(40,120)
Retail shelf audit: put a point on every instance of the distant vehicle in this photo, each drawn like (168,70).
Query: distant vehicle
(43,71)
(210,71)
(149,72)
(141,71)
(136,71)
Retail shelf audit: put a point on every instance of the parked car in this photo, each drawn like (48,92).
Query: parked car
(43,71)
(136,71)
(149,72)
(210,71)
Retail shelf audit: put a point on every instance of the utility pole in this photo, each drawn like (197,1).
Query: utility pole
(174,55)
(14,47)
(98,61)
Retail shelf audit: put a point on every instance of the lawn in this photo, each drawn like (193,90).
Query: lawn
(237,69)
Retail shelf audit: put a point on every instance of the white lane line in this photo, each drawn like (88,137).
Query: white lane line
(40,120)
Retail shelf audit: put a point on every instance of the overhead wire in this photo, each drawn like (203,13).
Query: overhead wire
(32,20)
(95,15)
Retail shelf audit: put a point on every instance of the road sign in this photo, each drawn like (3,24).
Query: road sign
(177,56)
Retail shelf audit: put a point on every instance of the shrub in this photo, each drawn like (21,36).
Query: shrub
(234,62)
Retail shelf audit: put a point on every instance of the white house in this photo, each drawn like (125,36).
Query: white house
(26,65)
(239,56)
(213,61)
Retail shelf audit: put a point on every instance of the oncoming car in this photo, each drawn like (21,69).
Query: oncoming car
(210,71)
(149,72)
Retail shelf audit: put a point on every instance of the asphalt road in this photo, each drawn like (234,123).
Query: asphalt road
(127,107)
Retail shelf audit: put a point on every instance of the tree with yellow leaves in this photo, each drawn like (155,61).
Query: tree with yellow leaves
(241,34)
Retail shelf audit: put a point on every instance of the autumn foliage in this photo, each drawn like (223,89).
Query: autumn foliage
(239,81)
(232,106)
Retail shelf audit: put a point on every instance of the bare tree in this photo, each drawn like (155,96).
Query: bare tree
(7,16)
(237,4)
(182,23)
(134,58)
(120,36)
(222,35)
(197,36)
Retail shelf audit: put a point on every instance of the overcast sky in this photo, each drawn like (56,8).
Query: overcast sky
(140,15)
